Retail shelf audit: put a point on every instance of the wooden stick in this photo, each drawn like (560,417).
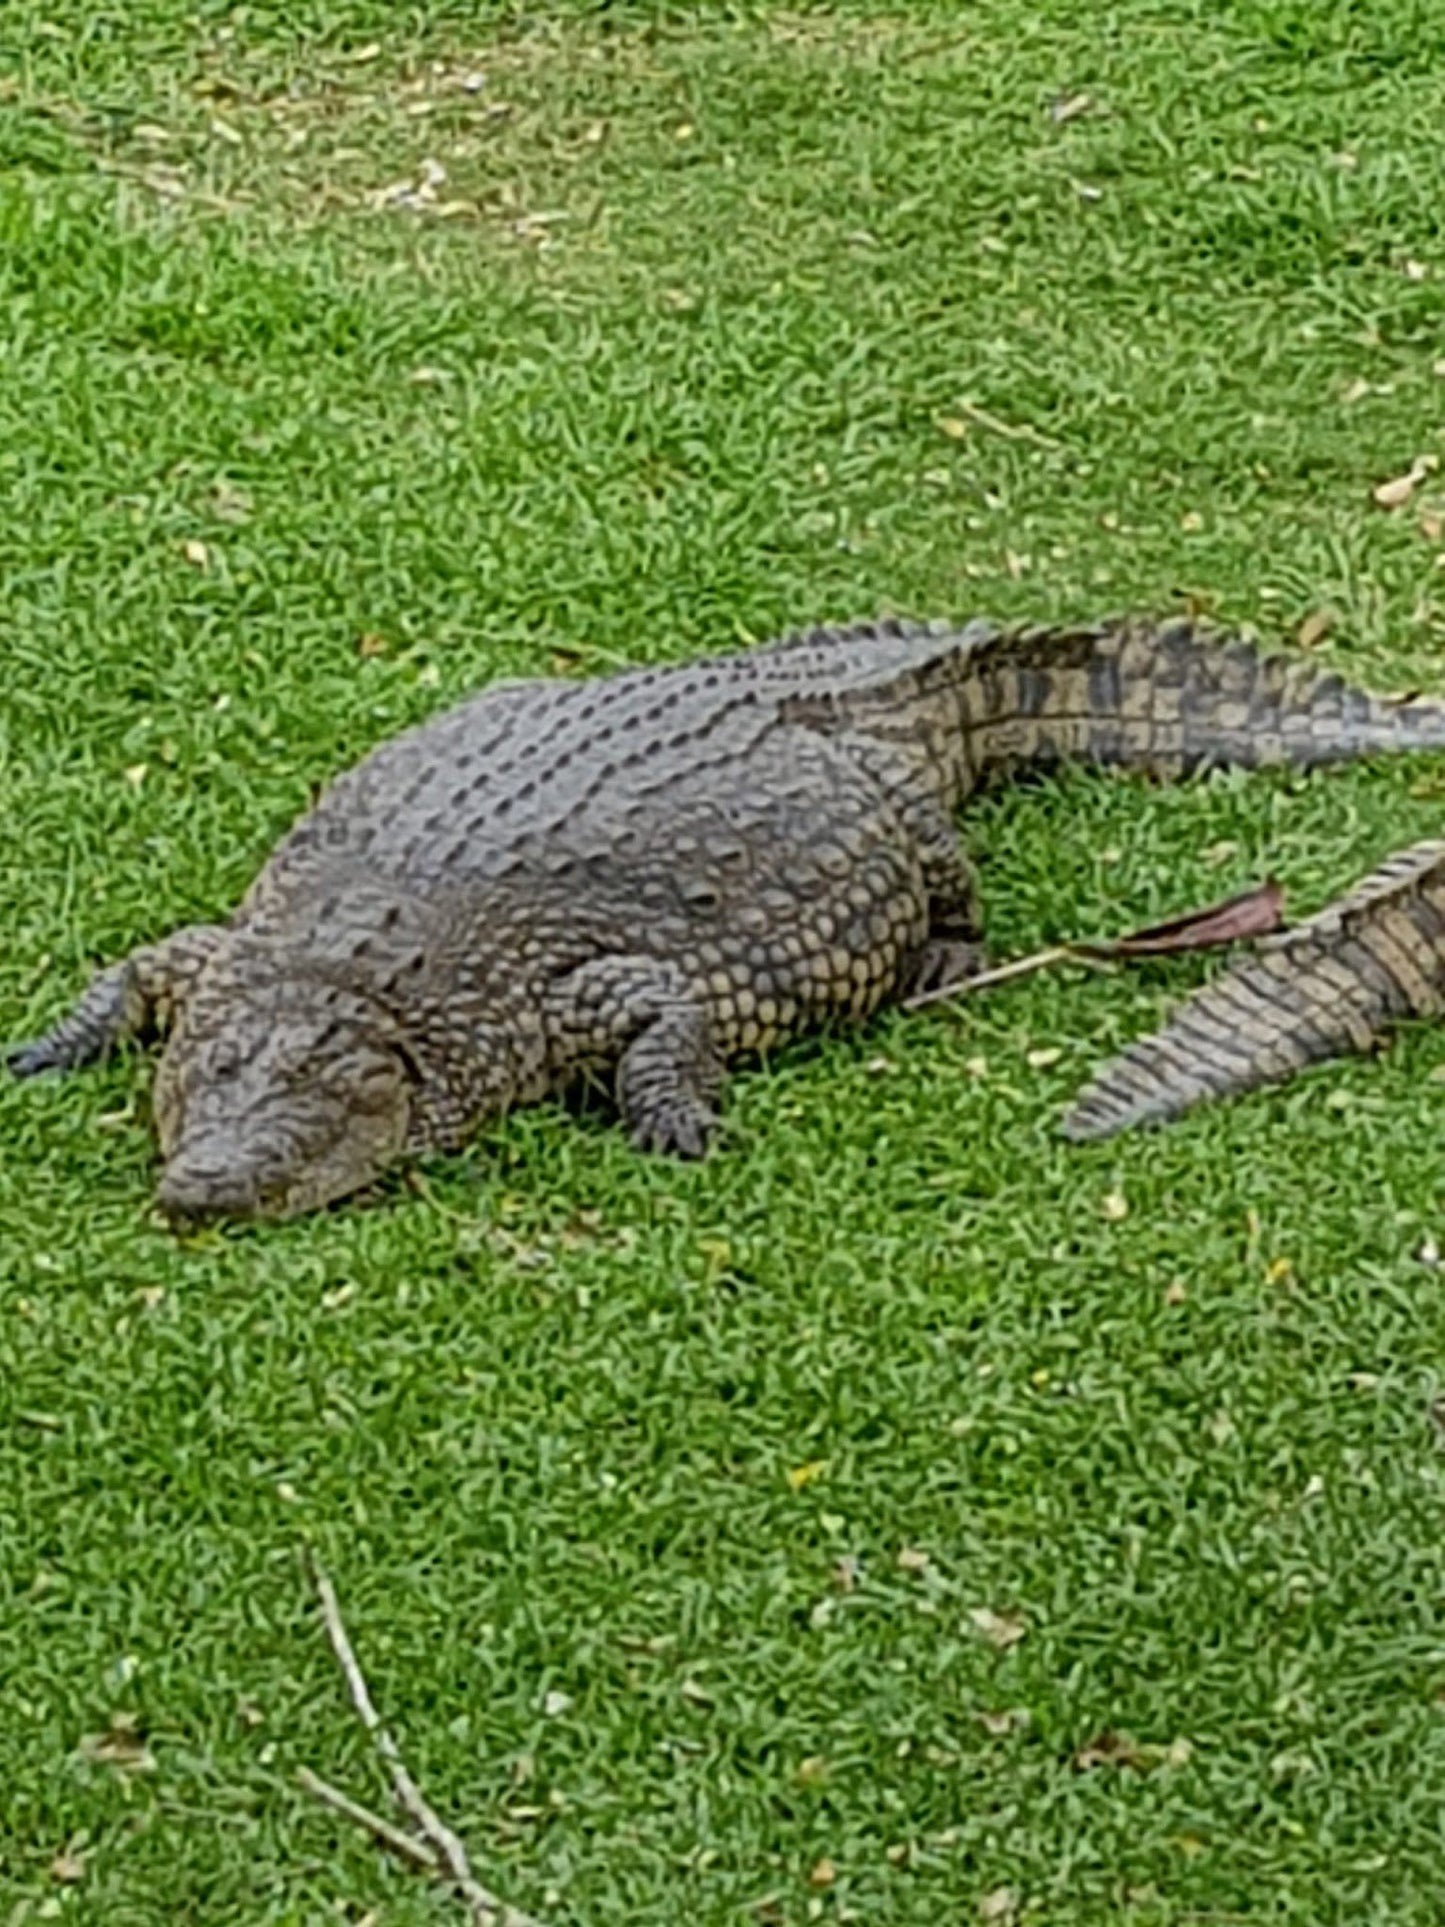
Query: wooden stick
(405,1846)
(451,1862)
(1005,973)
(1012,431)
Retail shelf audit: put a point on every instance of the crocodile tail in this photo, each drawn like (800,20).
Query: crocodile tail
(1170,697)
(1333,983)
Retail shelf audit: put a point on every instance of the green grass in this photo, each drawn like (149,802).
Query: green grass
(540,1423)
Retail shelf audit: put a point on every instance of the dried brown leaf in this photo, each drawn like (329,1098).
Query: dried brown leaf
(822,1874)
(1395,492)
(122,1745)
(1002,1630)
(68,1867)
(1110,1749)
(1253,913)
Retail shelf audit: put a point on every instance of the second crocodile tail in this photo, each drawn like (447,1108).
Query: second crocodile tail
(1334,983)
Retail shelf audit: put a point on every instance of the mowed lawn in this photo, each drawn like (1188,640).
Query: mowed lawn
(903,1516)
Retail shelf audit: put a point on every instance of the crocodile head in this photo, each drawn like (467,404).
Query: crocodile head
(274,1099)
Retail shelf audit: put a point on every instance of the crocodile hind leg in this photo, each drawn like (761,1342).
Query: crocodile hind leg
(669,1073)
(122,1001)
(954,949)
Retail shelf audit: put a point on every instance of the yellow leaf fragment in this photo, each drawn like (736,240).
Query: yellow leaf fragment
(1315,627)
(1010,1720)
(1115,1207)
(1395,492)
(801,1475)
(1069,107)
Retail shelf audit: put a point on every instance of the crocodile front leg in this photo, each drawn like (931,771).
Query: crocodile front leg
(127,998)
(643,1015)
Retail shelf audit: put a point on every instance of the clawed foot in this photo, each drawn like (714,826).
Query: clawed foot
(29,1060)
(944,961)
(676,1129)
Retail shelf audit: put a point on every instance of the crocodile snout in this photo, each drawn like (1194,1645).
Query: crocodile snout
(193,1194)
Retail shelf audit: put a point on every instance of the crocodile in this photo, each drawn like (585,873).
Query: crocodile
(643,876)
(1336,982)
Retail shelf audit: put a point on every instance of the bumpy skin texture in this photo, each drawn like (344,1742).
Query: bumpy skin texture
(1335,983)
(645,875)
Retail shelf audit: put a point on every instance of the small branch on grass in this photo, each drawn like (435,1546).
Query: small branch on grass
(1011,431)
(439,1850)
(405,1846)
(1254,913)
(1003,973)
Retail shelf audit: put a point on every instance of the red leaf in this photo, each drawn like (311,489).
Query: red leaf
(1255,913)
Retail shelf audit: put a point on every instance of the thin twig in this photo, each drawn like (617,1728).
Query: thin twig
(405,1846)
(452,1863)
(1006,972)
(1011,431)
